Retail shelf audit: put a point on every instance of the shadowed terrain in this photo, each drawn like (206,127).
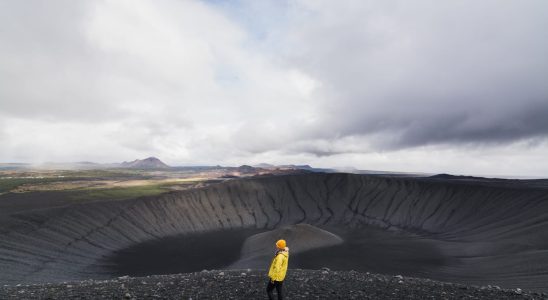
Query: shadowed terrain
(465,230)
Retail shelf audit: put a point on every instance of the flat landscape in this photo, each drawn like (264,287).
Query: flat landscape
(21,191)
(25,187)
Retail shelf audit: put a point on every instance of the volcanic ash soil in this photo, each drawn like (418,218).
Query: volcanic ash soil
(250,284)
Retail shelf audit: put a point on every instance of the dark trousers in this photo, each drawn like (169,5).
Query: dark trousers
(270,287)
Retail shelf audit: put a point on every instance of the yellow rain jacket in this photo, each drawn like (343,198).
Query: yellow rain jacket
(278,268)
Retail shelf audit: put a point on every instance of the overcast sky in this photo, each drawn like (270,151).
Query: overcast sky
(428,86)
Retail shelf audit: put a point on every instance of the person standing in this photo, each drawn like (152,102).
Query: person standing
(278,269)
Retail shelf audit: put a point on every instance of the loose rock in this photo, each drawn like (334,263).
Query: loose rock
(299,284)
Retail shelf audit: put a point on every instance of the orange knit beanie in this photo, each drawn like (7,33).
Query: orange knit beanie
(280,244)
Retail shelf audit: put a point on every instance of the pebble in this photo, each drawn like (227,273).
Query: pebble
(301,284)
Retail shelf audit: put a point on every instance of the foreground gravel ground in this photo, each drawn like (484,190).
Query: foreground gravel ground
(250,284)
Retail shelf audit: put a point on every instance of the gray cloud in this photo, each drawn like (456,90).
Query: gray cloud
(427,72)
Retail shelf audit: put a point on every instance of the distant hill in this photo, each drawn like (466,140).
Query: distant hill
(270,166)
(147,163)
(265,166)
(246,169)
(352,170)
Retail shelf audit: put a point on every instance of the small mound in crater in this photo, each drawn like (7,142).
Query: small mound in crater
(259,248)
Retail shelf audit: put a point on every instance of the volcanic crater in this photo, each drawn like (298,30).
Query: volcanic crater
(464,230)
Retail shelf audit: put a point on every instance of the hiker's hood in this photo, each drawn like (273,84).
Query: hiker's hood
(285,251)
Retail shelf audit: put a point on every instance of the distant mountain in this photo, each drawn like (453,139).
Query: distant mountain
(445,176)
(449,176)
(245,169)
(270,166)
(265,166)
(147,163)
(302,167)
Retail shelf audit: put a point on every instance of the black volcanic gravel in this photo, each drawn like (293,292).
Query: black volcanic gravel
(250,284)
